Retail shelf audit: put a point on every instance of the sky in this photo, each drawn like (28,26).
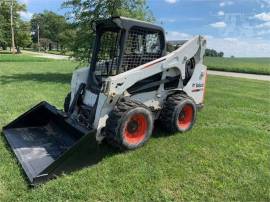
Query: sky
(237,27)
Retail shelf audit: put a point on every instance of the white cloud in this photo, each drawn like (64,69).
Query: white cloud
(263,16)
(265,25)
(26,15)
(221,13)
(226,3)
(174,35)
(231,39)
(219,25)
(263,32)
(264,3)
(222,4)
(171,1)
(240,47)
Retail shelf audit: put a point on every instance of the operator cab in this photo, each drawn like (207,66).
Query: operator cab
(122,44)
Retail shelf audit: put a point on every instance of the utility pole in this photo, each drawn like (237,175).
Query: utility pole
(38,38)
(12,30)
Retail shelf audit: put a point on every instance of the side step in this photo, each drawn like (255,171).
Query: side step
(43,139)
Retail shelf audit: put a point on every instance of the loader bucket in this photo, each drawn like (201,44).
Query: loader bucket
(43,139)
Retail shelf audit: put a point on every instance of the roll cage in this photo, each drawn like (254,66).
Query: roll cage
(122,44)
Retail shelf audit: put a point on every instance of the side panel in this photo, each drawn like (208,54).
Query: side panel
(149,99)
(176,59)
(103,109)
(195,88)
(79,76)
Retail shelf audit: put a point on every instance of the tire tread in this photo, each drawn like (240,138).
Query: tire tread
(115,119)
(166,116)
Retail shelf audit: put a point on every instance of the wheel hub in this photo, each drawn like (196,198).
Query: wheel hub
(185,117)
(182,115)
(132,126)
(136,129)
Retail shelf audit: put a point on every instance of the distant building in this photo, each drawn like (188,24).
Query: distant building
(174,44)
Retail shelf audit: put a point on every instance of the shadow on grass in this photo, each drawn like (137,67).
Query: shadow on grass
(38,77)
(5,53)
(159,132)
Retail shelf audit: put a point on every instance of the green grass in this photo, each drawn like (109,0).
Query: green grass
(20,58)
(244,65)
(225,157)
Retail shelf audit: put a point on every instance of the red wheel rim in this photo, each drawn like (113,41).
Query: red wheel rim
(136,129)
(185,117)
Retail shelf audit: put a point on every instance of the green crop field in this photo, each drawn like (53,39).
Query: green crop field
(224,158)
(243,65)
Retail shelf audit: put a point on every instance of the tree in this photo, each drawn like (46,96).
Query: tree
(3,39)
(22,35)
(51,25)
(220,54)
(84,12)
(213,53)
(21,30)
(5,33)
(66,37)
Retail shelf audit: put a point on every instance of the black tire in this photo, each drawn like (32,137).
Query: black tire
(67,102)
(178,113)
(129,125)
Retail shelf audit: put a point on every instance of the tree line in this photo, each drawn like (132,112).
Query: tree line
(173,45)
(72,32)
(22,34)
(213,53)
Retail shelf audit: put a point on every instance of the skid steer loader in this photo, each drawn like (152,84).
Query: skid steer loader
(131,83)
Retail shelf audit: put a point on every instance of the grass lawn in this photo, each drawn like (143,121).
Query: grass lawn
(244,65)
(20,58)
(225,157)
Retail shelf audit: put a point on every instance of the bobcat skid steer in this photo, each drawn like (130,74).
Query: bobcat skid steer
(130,84)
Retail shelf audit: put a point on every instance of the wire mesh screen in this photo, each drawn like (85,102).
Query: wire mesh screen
(142,46)
(108,54)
